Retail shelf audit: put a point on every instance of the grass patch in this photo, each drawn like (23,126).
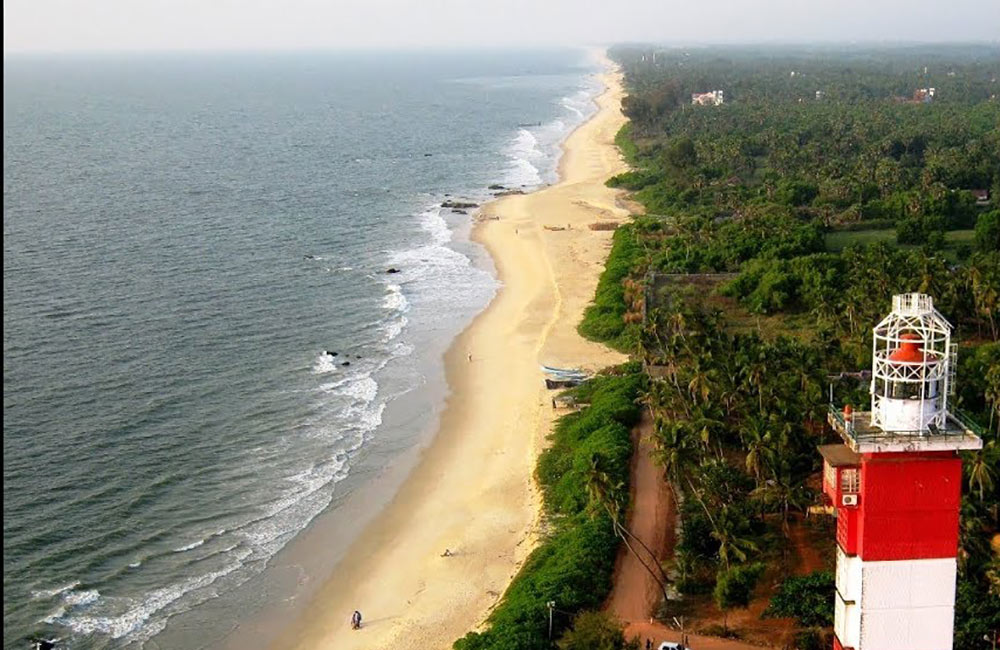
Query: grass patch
(838,240)
(954,241)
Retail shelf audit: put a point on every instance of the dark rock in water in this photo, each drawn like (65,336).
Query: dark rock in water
(309,257)
(457,211)
(346,363)
(508,192)
(496,187)
(392,270)
(427,155)
(461,205)
(327,353)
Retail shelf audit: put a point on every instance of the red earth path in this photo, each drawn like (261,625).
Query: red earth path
(651,519)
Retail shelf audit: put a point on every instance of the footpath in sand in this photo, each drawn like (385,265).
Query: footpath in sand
(473,490)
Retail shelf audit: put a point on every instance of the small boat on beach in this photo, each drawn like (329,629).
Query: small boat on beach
(565,372)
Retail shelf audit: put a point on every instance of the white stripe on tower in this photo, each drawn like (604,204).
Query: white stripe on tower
(895,604)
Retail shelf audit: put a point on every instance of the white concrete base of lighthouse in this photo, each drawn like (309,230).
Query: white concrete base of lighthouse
(895,605)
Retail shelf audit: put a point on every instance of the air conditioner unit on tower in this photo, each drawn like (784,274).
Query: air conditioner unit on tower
(849,499)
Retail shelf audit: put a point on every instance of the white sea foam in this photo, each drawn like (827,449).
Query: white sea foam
(324,364)
(190,546)
(393,328)
(42,594)
(525,156)
(296,507)
(364,389)
(74,598)
(394,299)
(526,144)
(125,617)
(568,103)
(54,617)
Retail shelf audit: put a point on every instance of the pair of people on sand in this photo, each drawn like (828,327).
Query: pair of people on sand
(356,620)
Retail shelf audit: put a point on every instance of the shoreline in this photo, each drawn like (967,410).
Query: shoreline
(472,490)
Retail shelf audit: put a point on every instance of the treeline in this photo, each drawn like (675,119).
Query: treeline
(753,188)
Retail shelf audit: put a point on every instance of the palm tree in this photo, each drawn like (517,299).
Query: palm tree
(705,419)
(783,493)
(759,444)
(700,385)
(607,495)
(724,530)
(675,448)
(730,543)
(754,374)
(980,470)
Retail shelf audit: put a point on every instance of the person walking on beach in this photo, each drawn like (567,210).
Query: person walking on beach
(356,620)
(470,357)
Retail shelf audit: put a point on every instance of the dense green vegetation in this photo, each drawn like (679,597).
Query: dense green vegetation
(573,565)
(805,598)
(605,320)
(596,631)
(819,209)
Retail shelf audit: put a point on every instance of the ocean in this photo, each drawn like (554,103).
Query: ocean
(203,349)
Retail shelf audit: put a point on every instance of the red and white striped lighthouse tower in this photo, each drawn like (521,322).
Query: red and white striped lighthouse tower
(896,484)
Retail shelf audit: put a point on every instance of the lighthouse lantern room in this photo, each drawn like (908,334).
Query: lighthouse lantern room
(895,484)
(911,360)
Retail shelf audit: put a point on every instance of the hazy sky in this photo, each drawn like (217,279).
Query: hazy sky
(289,24)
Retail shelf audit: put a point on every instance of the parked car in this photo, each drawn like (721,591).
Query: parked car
(671,645)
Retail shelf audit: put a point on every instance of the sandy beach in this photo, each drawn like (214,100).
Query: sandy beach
(473,491)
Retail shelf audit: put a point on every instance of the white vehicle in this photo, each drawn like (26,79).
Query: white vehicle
(671,645)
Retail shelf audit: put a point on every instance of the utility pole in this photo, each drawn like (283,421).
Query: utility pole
(551,605)
(680,625)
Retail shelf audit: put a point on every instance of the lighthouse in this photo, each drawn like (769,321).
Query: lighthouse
(896,485)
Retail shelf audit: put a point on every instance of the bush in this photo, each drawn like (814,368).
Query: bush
(806,598)
(813,639)
(604,320)
(795,193)
(988,232)
(633,180)
(734,587)
(596,631)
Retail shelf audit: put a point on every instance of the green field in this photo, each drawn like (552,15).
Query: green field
(838,240)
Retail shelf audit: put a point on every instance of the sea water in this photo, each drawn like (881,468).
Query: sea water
(185,235)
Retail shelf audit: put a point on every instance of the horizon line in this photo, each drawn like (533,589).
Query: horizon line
(509,46)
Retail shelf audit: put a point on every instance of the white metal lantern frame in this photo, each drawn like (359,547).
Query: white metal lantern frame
(920,387)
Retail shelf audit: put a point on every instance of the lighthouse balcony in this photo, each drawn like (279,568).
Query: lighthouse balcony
(958,432)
